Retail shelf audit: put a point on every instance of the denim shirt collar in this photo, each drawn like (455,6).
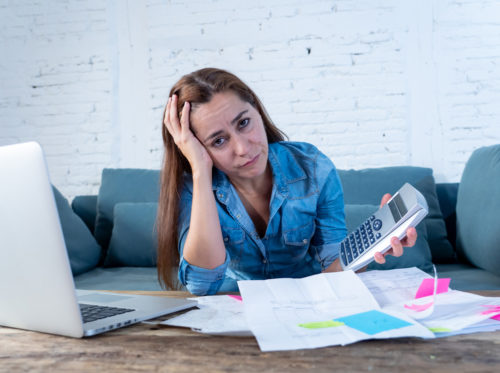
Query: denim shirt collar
(285,168)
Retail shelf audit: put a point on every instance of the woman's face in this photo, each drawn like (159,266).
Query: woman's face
(233,133)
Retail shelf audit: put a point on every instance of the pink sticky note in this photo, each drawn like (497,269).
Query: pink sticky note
(418,307)
(237,297)
(427,287)
(492,309)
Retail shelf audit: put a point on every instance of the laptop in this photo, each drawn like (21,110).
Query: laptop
(37,291)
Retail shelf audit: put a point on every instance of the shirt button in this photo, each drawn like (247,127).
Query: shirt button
(226,239)
(304,240)
(238,216)
(220,195)
(264,260)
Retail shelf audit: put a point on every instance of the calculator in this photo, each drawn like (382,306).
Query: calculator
(405,209)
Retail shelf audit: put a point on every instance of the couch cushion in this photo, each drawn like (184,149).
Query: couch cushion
(417,256)
(478,209)
(122,185)
(83,250)
(367,186)
(119,278)
(447,194)
(134,240)
(466,277)
(86,208)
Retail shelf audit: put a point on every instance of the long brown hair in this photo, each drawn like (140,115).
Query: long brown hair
(197,88)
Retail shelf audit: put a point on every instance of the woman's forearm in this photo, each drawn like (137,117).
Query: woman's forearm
(204,246)
(334,267)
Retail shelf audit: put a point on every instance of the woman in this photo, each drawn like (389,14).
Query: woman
(239,202)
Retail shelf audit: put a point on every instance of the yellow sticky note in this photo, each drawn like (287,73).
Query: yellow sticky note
(321,324)
(440,330)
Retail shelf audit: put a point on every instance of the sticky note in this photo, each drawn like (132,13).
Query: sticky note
(492,309)
(440,330)
(321,324)
(419,307)
(373,322)
(237,297)
(427,287)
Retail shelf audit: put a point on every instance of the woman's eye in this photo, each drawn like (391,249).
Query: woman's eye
(244,122)
(219,142)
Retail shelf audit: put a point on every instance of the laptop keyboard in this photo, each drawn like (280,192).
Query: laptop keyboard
(91,312)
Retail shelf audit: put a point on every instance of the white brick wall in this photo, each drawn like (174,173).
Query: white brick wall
(371,83)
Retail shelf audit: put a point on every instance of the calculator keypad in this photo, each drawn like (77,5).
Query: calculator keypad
(360,240)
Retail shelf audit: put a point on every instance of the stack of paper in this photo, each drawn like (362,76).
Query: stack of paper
(453,311)
(217,314)
(321,310)
(341,308)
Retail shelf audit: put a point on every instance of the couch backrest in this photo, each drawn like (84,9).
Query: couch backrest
(360,187)
(367,186)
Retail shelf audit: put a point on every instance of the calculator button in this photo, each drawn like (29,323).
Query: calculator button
(378,235)
(349,256)
(377,224)
(342,253)
(372,217)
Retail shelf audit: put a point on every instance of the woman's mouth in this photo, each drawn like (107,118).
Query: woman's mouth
(251,162)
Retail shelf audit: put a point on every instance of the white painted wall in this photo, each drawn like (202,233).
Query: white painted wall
(370,82)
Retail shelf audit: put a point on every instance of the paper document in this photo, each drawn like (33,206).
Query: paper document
(340,308)
(457,310)
(395,285)
(321,310)
(447,312)
(217,314)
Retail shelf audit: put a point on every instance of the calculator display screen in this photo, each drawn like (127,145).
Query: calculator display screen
(397,207)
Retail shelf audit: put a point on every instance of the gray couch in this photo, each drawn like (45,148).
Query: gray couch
(112,245)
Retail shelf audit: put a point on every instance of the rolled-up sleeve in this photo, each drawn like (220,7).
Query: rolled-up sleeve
(198,281)
(330,221)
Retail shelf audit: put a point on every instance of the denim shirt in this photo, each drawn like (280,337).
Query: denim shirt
(306,223)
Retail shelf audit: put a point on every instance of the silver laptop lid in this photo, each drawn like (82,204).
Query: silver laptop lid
(36,283)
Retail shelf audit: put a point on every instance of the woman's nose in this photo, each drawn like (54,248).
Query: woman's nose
(240,145)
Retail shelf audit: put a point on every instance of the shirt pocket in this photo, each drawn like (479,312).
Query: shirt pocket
(234,239)
(297,240)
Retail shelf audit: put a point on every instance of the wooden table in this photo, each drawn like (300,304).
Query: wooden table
(150,348)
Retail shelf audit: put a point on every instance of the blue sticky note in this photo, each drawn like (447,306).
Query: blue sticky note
(373,322)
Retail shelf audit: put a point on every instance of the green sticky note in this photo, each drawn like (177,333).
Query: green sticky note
(440,330)
(321,324)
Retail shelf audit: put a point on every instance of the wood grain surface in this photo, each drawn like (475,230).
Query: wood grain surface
(152,348)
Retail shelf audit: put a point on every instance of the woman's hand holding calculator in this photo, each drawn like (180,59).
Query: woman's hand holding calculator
(397,245)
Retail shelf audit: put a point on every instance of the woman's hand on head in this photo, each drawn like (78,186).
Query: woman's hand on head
(184,138)
(397,245)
